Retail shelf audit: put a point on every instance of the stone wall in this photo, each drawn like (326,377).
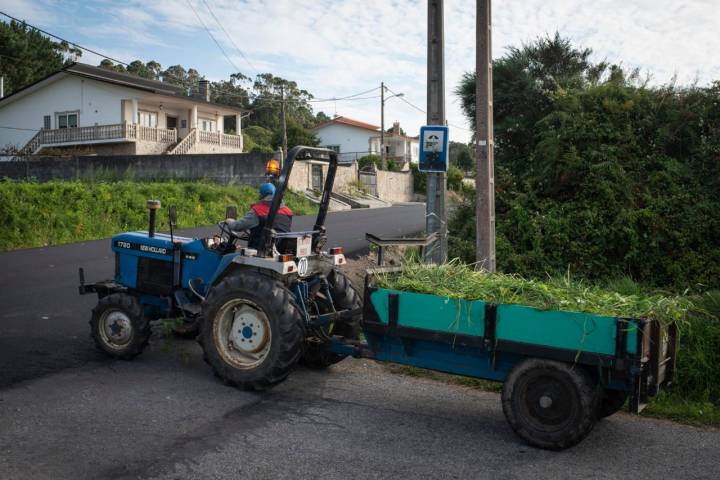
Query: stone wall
(247,168)
(395,186)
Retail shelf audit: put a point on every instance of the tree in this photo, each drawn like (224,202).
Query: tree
(26,55)
(461,156)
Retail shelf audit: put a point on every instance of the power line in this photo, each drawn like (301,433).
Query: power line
(402,97)
(212,36)
(63,40)
(18,128)
(230,38)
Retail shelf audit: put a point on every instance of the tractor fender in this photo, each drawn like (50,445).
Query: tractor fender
(233,263)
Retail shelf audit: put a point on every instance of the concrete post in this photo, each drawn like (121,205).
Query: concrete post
(237,125)
(134,110)
(194,117)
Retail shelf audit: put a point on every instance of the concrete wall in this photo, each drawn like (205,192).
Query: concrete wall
(350,139)
(395,186)
(391,186)
(245,168)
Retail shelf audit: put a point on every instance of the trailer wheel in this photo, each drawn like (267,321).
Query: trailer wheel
(252,331)
(611,401)
(344,296)
(119,326)
(550,405)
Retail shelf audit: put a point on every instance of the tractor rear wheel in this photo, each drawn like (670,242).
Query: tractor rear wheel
(344,296)
(252,330)
(550,405)
(611,401)
(119,326)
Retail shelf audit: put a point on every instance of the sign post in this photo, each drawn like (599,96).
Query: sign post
(433,149)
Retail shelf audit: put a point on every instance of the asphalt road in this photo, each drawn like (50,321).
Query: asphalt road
(165,416)
(43,320)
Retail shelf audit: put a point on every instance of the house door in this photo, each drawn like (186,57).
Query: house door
(171,122)
(317,178)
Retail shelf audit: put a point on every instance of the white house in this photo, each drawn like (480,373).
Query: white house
(401,148)
(107,112)
(350,138)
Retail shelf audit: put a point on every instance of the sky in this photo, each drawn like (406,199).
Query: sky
(336,48)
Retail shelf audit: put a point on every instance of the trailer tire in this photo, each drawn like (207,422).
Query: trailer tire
(344,296)
(611,401)
(260,312)
(119,326)
(551,405)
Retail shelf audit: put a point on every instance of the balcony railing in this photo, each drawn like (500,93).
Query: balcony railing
(120,131)
(219,138)
(130,132)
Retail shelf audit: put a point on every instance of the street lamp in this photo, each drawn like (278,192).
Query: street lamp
(382,120)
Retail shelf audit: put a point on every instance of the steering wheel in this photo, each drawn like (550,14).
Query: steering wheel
(228,236)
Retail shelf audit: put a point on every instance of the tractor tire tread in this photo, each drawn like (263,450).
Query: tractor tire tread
(279,301)
(140,323)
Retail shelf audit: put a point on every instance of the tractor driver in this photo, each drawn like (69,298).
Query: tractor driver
(255,219)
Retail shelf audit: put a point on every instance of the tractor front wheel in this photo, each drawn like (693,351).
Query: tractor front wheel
(252,330)
(550,405)
(119,326)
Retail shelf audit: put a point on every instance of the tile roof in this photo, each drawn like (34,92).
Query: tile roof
(351,122)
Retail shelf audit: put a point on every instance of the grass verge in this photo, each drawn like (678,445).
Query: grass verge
(40,214)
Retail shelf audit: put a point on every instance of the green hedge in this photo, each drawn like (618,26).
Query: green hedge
(39,214)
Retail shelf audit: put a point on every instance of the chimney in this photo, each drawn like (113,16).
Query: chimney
(396,128)
(204,87)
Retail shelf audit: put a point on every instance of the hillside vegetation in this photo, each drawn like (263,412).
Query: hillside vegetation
(40,214)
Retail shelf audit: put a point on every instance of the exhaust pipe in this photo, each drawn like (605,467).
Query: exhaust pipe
(153,206)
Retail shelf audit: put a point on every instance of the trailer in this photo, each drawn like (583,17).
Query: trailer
(561,371)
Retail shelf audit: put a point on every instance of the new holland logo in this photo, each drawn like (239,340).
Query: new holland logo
(302,266)
(151,249)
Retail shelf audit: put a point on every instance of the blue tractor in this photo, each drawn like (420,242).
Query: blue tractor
(256,312)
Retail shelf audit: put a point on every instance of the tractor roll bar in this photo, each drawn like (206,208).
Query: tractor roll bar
(302,153)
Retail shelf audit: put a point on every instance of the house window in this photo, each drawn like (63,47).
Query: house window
(67,119)
(46,122)
(147,119)
(336,148)
(207,125)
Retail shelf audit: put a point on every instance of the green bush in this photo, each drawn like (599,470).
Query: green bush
(419,179)
(369,160)
(40,214)
(455,179)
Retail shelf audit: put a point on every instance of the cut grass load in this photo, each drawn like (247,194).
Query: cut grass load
(694,395)
(40,214)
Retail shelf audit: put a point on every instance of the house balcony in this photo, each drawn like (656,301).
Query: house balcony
(133,139)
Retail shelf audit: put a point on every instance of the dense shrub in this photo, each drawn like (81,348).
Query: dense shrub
(39,214)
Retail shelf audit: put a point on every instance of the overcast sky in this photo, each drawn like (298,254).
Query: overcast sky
(335,48)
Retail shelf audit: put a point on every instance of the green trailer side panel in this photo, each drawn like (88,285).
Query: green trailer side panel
(431,312)
(583,332)
(569,330)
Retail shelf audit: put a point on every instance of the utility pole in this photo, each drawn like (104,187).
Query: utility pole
(436,215)
(284,123)
(382,124)
(485,143)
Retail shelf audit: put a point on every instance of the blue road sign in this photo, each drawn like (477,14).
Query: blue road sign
(433,148)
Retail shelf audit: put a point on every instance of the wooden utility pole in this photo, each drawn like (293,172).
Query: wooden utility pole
(382,125)
(284,122)
(436,215)
(485,144)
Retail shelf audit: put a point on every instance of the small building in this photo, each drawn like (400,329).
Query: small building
(400,148)
(348,137)
(102,111)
